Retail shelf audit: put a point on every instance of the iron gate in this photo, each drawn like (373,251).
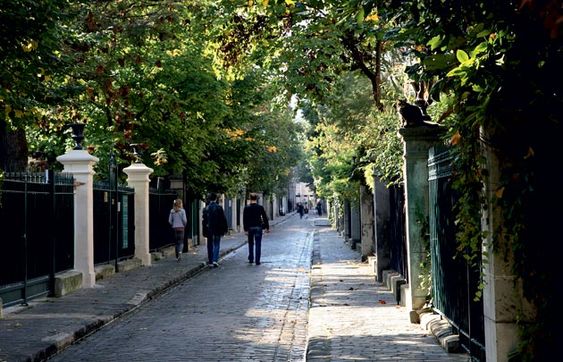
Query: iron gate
(160,204)
(398,238)
(454,281)
(37,223)
(114,223)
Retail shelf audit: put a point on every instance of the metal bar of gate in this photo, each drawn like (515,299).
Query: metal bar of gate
(25,248)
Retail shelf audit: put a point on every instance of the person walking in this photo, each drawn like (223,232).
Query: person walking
(177,220)
(255,221)
(215,226)
(300,210)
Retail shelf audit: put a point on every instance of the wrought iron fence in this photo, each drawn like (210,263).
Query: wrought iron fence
(398,238)
(114,223)
(37,223)
(160,204)
(454,281)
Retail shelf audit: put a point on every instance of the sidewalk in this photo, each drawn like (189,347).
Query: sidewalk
(48,325)
(352,317)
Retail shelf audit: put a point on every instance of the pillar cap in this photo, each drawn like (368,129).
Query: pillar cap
(426,132)
(138,171)
(77,156)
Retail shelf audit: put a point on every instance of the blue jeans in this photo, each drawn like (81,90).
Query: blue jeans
(213,247)
(179,238)
(254,242)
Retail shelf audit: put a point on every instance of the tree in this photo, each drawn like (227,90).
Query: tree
(31,35)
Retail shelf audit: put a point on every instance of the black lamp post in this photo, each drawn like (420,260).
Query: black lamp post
(77,134)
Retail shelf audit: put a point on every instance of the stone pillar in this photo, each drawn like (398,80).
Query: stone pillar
(346,220)
(366,214)
(355,225)
(138,179)
(202,239)
(503,302)
(80,164)
(234,212)
(275,207)
(382,221)
(417,142)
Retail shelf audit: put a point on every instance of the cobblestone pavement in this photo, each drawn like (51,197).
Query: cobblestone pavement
(237,312)
(353,318)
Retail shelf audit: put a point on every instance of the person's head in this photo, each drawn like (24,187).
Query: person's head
(253,198)
(178,204)
(212,196)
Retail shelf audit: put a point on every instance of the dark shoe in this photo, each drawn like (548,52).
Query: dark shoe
(250,261)
(258,263)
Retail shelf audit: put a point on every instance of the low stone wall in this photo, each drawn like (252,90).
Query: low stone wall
(67,282)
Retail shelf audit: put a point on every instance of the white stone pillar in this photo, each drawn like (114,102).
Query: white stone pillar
(80,164)
(138,179)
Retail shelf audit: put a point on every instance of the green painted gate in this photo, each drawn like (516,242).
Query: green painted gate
(454,281)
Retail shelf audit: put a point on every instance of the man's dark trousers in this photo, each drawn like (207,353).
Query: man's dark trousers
(213,247)
(254,243)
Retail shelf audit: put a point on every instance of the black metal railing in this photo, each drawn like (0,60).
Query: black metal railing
(398,260)
(37,223)
(114,222)
(160,204)
(454,281)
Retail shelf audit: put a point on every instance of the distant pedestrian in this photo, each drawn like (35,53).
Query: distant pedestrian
(214,225)
(255,221)
(319,208)
(300,210)
(177,220)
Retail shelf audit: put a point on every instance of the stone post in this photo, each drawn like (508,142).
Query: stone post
(504,305)
(355,224)
(382,221)
(366,214)
(234,212)
(138,179)
(275,207)
(417,142)
(201,206)
(80,164)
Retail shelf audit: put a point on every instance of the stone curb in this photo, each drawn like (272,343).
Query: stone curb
(442,330)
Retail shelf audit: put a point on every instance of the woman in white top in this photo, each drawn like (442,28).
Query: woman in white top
(178,221)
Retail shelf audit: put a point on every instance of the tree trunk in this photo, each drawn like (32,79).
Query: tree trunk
(13,148)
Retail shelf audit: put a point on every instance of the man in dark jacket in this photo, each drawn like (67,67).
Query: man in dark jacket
(255,221)
(214,224)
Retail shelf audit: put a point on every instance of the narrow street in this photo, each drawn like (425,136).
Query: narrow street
(244,312)
(238,312)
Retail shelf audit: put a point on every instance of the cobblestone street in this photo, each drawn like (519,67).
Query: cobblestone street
(310,299)
(238,312)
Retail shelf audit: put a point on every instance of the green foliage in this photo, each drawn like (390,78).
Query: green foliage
(149,73)
(498,62)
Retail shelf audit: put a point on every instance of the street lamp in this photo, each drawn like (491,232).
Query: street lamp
(77,134)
